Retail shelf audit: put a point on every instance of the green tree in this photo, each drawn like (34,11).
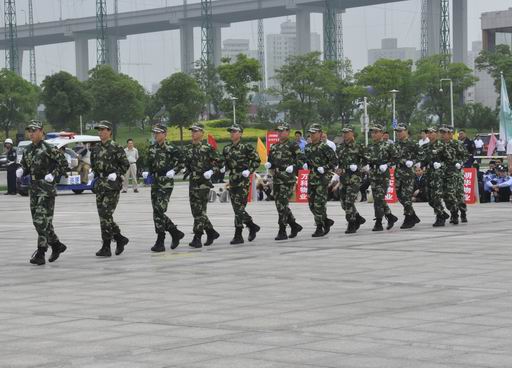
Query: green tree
(182,98)
(377,82)
(65,99)
(115,97)
(239,78)
(18,100)
(496,62)
(209,82)
(303,81)
(429,72)
(476,116)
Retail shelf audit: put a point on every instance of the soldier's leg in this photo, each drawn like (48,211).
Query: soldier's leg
(320,204)
(238,202)
(159,202)
(449,193)
(39,217)
(106,203)
(52,237)
(278,193)
(195,208)
(406,190)
(435,194)
(378,198)
(288,190)
(311,203)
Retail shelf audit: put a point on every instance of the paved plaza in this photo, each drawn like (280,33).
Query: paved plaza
(417,298)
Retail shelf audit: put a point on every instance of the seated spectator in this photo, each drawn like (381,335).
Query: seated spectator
(420,186)
(264,187)
(333,190)
(223,195)
(365,185)
(492,168)
(497,188)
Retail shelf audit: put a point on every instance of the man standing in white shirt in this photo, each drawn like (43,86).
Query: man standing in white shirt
(326,140)
(133,155)
(479,145)
(424,139)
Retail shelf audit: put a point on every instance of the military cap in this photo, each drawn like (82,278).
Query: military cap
(236,128)
(315,128)
(376,127)
(400,127)
(283,126)
(104,124)
(431,129)
(34,124)
(159,128)
(347,128)
(444,129)
(197,126)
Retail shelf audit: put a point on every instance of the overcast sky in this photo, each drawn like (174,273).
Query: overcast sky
(151,57)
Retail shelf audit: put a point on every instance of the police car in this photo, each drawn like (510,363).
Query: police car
(71,144)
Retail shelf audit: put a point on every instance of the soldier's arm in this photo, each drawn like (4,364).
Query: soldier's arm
(60,166)
(254,158)
(223,162)
(177,159)
(215,159)
(331,157)
(23,162)
(123,163)
(300,158)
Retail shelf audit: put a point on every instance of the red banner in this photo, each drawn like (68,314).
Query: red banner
(470,185)
(251,178)
(301,190)
(391,196)
(272,138)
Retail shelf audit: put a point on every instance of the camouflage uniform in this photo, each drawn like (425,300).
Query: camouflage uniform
(406,150)
(431,153)
(108,158)
(199,158)
(350,154)
(283,154)
(161,159)
(453,187)
(39,160)
(377,154)
(237,158)
(319,155)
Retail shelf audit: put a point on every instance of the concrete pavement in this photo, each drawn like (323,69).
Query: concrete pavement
(417,298)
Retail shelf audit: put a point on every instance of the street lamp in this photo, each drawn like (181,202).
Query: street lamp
(451,96)
(233,99)
(393,93)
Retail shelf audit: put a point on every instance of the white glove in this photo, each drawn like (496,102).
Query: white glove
(437,165)
(170,174)
(268,165)
(19,173)
(246,173)
(458,166)
(223,170)
(418,165)
(305,166)
(409,163)
(353,167)
(366,168)
(320,170)
(49,178)
(208,174)
(383,168)
(335,178)
(90,170)
(289,169)
(112,177)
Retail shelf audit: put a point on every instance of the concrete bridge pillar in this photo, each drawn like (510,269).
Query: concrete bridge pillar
(434,26)
(217,44)
(187,48)
(113,52)
(303,31)
(460,31)
(82,58)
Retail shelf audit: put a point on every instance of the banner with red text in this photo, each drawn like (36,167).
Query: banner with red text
(391,196)
(301,190)
(272,138)
(470,185)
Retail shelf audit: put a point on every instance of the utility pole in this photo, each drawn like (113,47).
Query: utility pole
(32,51)
(116,26)
(340,52)
(206,48)
(330,30)
(11,35)
(424,28)
(101,33)
(261,54)
(444,40)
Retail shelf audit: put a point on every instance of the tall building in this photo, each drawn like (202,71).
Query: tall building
(390,50)
(233,47)
(483,91)
(283,45)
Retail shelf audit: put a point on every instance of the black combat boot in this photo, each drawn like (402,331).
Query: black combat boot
(159,244)
(391,221)
(327,225)
(57,249)
(378,225)
(440,221)
(121,242)
(38,257)
(318,232)
(196,242)
(360,220)
(295,229)
(211,235)
(176,237)
(351,227)
(281,235)
(445,215)
(463,217)
(105,250)
(416,219)
(238,238)
(454,218)
(253,229)
(408,222)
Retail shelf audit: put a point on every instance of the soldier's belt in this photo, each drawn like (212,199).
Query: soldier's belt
(160,174)
(36,177)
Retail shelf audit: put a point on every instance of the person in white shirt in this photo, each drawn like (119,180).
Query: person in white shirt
(328,142)
(424,139)
(479,145)
(133,155)
(501,147)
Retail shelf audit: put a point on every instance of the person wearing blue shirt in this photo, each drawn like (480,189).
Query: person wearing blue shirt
(300,140)
(499,185)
